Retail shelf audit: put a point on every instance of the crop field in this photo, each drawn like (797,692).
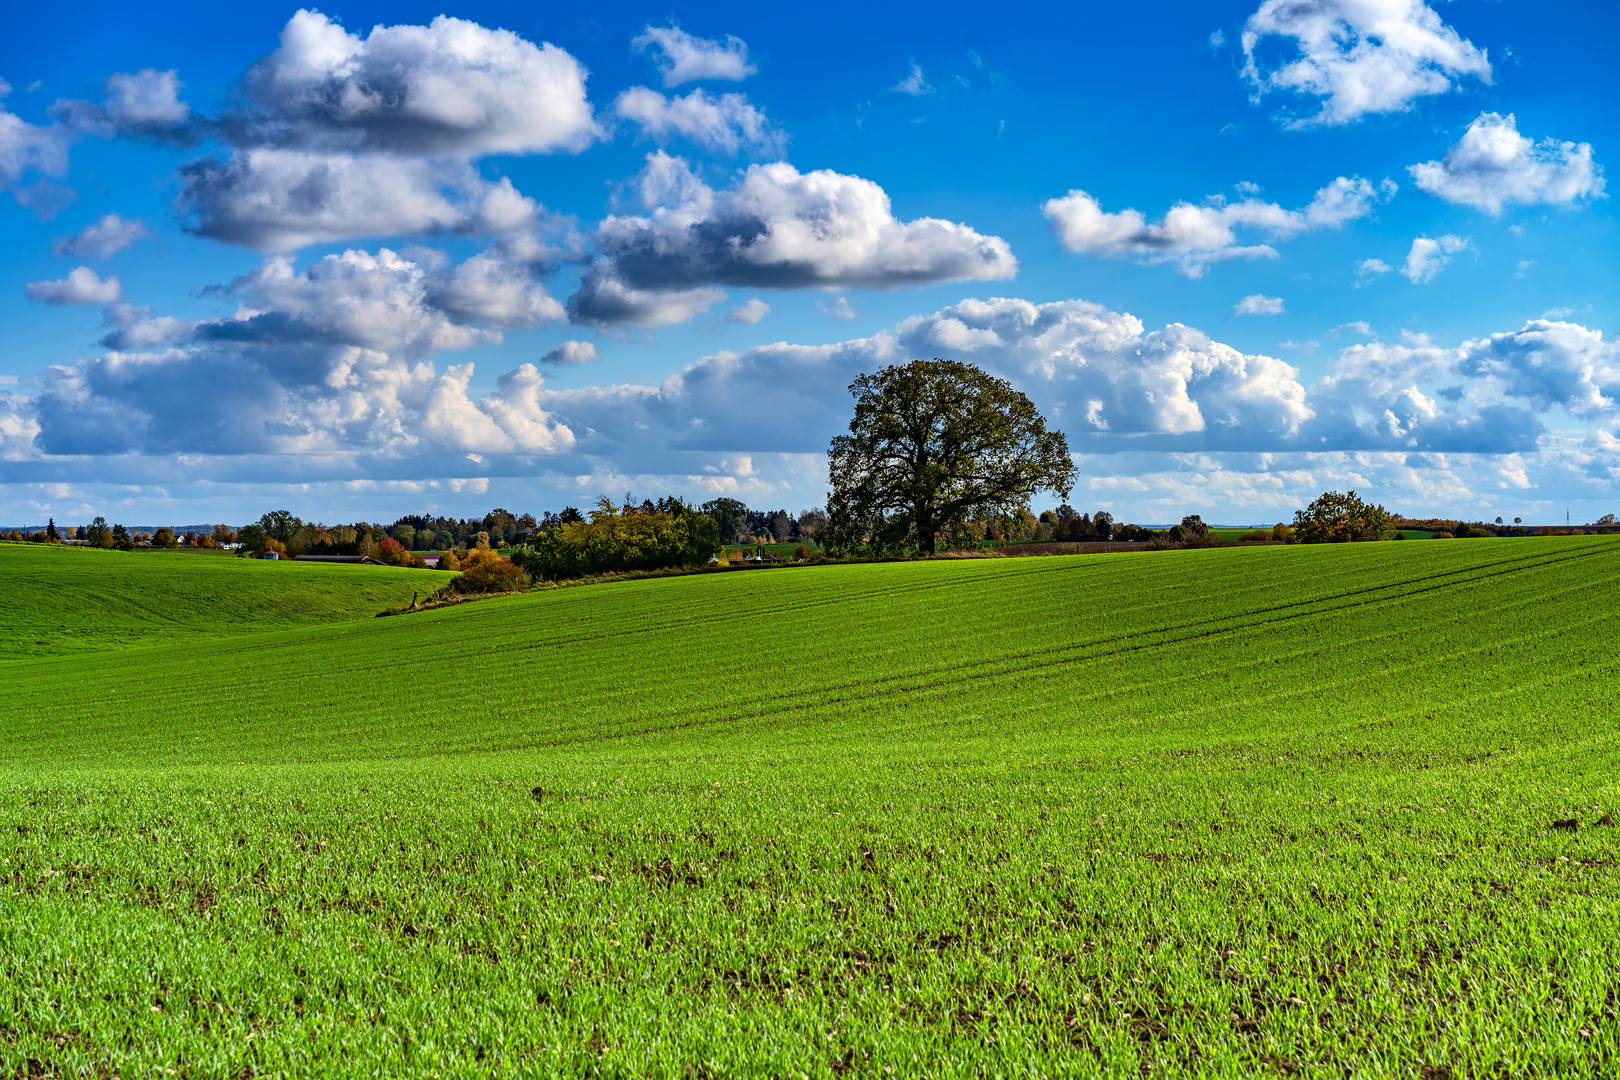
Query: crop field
(65,600)
(1250,811)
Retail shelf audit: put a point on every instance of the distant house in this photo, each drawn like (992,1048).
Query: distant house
(273,556)
(363,560)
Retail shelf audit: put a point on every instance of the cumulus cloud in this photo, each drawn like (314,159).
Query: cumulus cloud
(281,200)
(27,149)
(572,352)
(143,104)
(1484,396)
(409,308)
(1193,237)
(82,286)
(449,88)
(1115,388)
(1359,56)
(104,239)
(683,58)
(1429,256)
(1492,164)
(224,400)
(339,136)
(602,299)
(146,104)
(750,313)
(726,123)
(1094,372)
(775,228)
(333,358)
(1164,416)
(1259,304)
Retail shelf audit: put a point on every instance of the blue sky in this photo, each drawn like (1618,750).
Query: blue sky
(362,261)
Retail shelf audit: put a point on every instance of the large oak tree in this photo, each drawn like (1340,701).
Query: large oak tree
(935,443)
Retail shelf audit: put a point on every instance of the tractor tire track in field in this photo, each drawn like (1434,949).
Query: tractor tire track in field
(861,691)
(907,590)
(1050,661)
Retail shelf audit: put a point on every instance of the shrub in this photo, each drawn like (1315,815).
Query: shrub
(1336,519)
(1281,532)
(1442,535)
(486,572)
(801,553)
(392,552)
(449,561)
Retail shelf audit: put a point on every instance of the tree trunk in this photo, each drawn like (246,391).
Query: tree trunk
(922,518)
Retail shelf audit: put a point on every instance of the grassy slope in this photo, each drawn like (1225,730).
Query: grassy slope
(1205,810)
(59,600)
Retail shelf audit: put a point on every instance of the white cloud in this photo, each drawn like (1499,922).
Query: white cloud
(281,200)
(684,58)
(1196,236)
(1430,255)
(602,299)
(726,123)
(1548,364)
(146,103)
(340,137)
(450,88)
(409,308)
(839,308)
(1369,269)
(914,83)
(1360,326)
(750,313)
(572,352)
(1166,418)
(104,239)
(1492,164)
(1259,304)
(1484,396)
(82,286)
(1359,56)
(775,228)
(28,148)
(330,359)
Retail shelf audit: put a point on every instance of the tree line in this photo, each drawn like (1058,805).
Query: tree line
(938,452)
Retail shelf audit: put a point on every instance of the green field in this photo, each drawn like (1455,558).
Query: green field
(1246,811)
(59,600)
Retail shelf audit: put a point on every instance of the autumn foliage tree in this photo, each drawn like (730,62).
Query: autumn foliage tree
(935,444)
(1339,519)
(621,538)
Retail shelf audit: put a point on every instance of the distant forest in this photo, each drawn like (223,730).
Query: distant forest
(735,521)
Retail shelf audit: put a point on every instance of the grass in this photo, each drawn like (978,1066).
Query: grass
(1271,810)
(62,600)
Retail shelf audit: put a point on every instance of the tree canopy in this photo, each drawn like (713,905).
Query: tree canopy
(1337,519)
(933,445)
(621,538)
